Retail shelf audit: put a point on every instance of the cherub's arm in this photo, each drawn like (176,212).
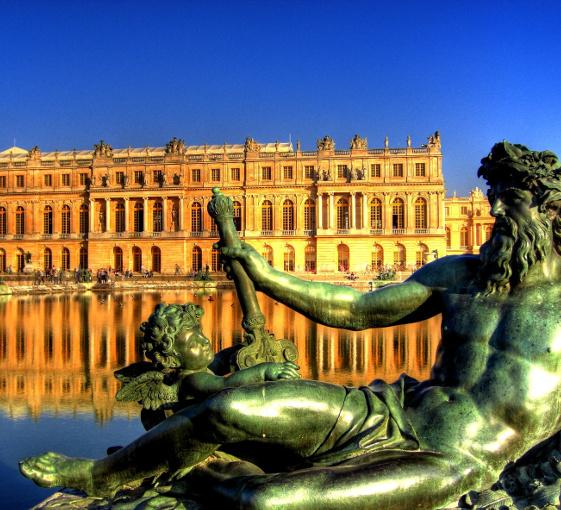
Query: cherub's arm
(201,384)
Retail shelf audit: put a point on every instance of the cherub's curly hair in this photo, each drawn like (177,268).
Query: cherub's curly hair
(161,328)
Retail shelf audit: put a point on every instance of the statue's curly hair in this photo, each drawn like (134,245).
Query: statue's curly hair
(161,328)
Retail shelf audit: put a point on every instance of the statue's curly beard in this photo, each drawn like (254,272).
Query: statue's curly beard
(516,244)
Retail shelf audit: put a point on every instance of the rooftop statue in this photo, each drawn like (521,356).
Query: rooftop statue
(325,144)
(103,150)
(494,392)
(359,143)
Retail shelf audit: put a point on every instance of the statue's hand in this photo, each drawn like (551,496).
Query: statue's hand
(276,371)
(253,263)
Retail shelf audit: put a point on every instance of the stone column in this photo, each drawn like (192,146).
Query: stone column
(319,212)
(126,216)
(387,219)
(353,210)
(92,214)
(180,219)
(165,215)
(107,215)
(145,214)
(331,210)
(364,211)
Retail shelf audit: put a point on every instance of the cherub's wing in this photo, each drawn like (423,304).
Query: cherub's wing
(149,389)
(133,370)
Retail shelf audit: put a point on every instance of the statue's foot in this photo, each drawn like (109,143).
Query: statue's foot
(55,470)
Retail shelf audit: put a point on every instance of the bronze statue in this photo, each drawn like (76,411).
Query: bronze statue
(494,392)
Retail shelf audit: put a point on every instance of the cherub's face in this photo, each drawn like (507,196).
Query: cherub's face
(193,349)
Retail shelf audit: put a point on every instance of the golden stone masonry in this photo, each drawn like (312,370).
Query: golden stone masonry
(322,211)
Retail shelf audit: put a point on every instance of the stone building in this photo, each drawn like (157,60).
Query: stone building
(319,211)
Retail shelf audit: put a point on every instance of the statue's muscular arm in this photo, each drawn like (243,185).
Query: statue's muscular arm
(416,299)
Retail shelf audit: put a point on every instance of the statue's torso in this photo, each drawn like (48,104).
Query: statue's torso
(496,382)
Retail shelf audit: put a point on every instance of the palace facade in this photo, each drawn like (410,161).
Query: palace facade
(318,211)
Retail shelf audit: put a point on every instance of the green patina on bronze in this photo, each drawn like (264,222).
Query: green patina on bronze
(494,392)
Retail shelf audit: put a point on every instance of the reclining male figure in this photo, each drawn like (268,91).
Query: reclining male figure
(494,392)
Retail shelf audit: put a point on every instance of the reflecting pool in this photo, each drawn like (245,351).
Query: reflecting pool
(58,354)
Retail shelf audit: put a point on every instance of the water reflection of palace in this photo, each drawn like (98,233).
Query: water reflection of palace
(58,353)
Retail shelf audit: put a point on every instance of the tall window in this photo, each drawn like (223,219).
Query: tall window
(341,171)
(156,260)
(138,217)
(420,213)
(398,214)
(266,173)
(84,178)
(120,223)
(120,178)
(118,259)
(20,221)
(342,214)
(138,177)
(376,214)
(136,259)
(309,215)
(65,220)
(3,222)
(196,259)
(3,181)
(488,232)
(65,259)
(309,171)
(196,217)
(377,258)
(464,237)
(288,215)
(398,169)
(20,258)
(421,255)
(48,180)
(47,259)
(157,176)
(48,220)
(66,179)
(2,260)
(157,218)
(310,259)
(375,170)
(20,181)
(343,258)
(235,173)
(268,254)
(267,216)
(448,238)
(288,258)
(238,215)
(83,257)
(399,257)
(196,175)
(215,260)
(419,169)
(287,172)
(215,174)
(84,219)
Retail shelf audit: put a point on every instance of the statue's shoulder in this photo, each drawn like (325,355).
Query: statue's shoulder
(448,272)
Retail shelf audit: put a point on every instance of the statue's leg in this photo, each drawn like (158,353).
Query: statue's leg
(397,480)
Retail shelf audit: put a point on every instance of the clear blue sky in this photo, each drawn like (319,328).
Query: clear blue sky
(137,73)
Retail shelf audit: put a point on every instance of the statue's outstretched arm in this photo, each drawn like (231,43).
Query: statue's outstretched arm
(339,306)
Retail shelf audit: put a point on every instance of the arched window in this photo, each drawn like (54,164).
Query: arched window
(139,217)
(157,219)
(342,207)
(421,255)
(2,260)
(448,237)
(136,259)
(267,216)
(3,222)
(288,258)
(83,257)
(156,260)
(65,259)
(310,259)
(399,257)
(84,219)
(288,215)
(376,214)
(463,237)
(20,258)
(215,260)
(196,259)
(120,221)
(65,220)
(420,214)
(47,259)
(237,216)
(398,214)
(309,215)
(196,217)
(377,258)
(488,232)
(268,254)
(343,258)
(118,259)
(48,220)
(20,221)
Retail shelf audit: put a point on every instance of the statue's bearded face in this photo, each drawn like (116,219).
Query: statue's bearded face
(521,237)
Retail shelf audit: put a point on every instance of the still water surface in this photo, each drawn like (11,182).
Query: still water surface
(58,355)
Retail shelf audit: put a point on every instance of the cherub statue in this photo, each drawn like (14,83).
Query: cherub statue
(182,367)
